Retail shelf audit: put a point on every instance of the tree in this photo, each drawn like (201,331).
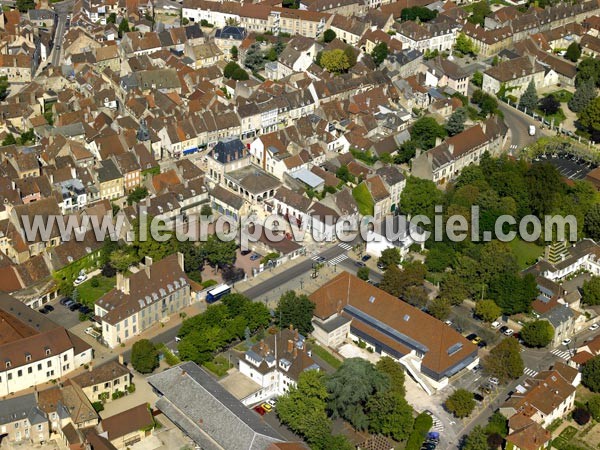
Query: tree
(456,122)
(573,52)
(112,18)
(329,35)
(343,173)
(593,406)
(549,105)
(461,403)
(233,51)
(538,333)
(476,440)
(240,74)
(529,99)
(589,117)
(420,197)
(351,55)
(219,253)
(394,371)
(254,59)
(584,94)
(425,131)
(351,386)
(512,292)
(406,152)
(591,374)
(206,210)
(464,45)
(581,415)
(390,257)
(504,360)
(335,61)
(123,27)
(122,259)
(230,68)
(144,356)
(477,79)
(139,193)
(296,310)
(390,414)
(9,140)
(588,69)
(487,310)
(440,257)
(25,5)
(591,291)
(416,296)
(418,13)
(480,10)
(497,424)
(440,308)
(363,273)
(379,53)
(396,282)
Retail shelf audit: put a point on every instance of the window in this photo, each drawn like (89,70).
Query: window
(27,357)
(48,352)
(9,376)
(49,364)
(64,357)
(39,367)
(30,370)
(40,427)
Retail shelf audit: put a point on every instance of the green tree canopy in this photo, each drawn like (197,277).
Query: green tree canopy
(363,273)
(529,99)
(573,52)
(538,333)
(144,356)
(591,291)
(460,403)
(456,122)
(295,310)
(590,376)
(418,13)
(335,61)
(351,386)
(589,117)
(390,257)
(504,360)
(487,310)
(329,35)
(139,193)
(425,131)
(464,45)
(420,197)
(549,105)
(379,53)
(476,440)
(584,94)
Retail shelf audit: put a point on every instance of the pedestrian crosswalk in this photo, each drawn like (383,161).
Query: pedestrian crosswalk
(338,259)
(437,424)
(564,354)
(530,372)
(345,246)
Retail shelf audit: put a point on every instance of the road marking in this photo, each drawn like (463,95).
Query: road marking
(315,258)
(564,354)
(345,246)
(530,372)
(338,259)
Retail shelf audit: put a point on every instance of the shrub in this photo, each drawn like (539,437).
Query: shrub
(131,388)
(581,416)
(423,424)
(117,394)
(98,406)
(593,406)
(94,282)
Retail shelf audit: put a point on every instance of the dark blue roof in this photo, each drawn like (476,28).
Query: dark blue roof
(230,32)
(228,150)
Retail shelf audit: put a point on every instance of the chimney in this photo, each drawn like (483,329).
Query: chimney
(483,127)
(290,346)
(451,149)
(147,265)
(73,172)
(180,260)
(438,141)
(261,346)
(91,366)
(295,352)
(121,361)
(122,283)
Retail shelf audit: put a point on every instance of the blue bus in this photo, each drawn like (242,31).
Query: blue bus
(215,294)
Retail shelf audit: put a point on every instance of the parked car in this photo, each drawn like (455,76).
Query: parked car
(75,306)
(365,258)
(509,332)
(43,310)
(245,252)
(478,397)
(254,257)
(320,259)
(272,402)
(495,325)
(594,327)
(476,340)
(49,308)
(267,407)
(471,336)
(485,388)
(380,266)
(260,410)
(532,130)
(494,381)
(448,322)
(64,300)
(566,341)
(503,329)
(482,344)
(85,310)
(68,303)
(80,279)
(359,264)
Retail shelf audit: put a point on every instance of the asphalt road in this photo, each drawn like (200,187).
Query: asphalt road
(62,9)
(518,123)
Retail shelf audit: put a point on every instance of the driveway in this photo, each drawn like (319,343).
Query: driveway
(63,316)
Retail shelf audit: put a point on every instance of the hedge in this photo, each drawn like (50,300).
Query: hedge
(423,424)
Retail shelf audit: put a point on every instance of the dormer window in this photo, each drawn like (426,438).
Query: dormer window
(27,357)
(48,351)
(8,364)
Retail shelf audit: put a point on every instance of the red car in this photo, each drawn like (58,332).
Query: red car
(260,410)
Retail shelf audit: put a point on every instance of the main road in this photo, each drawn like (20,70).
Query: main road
(62,9)
(518,123)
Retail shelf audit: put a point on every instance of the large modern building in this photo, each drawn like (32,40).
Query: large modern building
(143,299)
(33,349)
(431,351)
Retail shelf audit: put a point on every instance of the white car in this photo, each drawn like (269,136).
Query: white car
(494,381)
(80,279)
(271,402)
(566,341)
(594,327)
(495,325)
(531,130)
(509,332)
(448,322)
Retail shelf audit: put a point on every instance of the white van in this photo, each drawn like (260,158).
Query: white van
(531,130)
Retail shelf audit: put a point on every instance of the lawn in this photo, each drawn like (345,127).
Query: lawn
(364,200)
(562,95)
(565,438)
(88,294)
(558,117)
(325,356)
(527,253)
(219,366)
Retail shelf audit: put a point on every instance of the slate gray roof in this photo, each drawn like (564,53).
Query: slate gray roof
(228,150)
(207,413)
(21,408)
(108,171)
(253,179)
(559,315)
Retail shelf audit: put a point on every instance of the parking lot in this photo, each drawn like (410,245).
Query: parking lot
(569,166)
(63,316)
